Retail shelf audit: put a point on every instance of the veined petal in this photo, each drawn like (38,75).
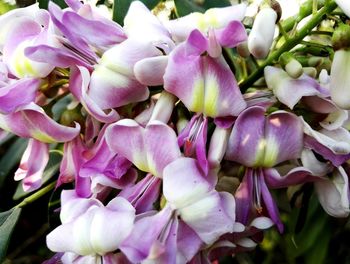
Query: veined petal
(148,28)
(55,56)
(18,94)
(295,176)
(113,82)
(257,140)
(25,33)
(184,183)
(210,217)
(215,18)
(248,132)
(231,35)
(32,165)
(150,148)
(150,229)
(90,30)
(290,91)
(333,193)
(284,138)
(244,197)
(32,121)
(79,86)
(270,204)
(93,232)
(334,145)
(211,88)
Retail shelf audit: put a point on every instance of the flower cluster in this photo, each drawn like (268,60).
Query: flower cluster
(155,129)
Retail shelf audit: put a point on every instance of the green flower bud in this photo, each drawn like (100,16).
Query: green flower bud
(341,37)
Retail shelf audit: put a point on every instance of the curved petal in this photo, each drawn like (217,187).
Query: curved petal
(232,35)
(211,216)
(289,91)
(90,30)
(32,165)
(32,121)
(141,24)
(247,133)
(18,94)
(210,88)
(333,194)
(149,228)
(181,28)
(244,197)
(257,140)
(79,85)
(150,71)
(93,232)
(58,57)
(150,148)
(295,176)
(339,78)
(113,82)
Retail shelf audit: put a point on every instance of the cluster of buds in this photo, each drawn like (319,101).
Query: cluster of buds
(154,123)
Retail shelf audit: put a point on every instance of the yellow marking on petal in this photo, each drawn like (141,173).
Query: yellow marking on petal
(198,95)
(140,161)
(42,137)
(211,18)
(211,95)
(4,124)
(152,168)
(260,153)
(271,153)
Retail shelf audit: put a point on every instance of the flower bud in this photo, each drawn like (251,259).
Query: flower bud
(340,79)
(341,37)
(291,65)
(311,71)
(261,36)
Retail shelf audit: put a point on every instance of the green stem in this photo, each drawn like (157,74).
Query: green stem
(37,195)
(288,45)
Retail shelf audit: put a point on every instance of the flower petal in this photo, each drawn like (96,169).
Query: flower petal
(289,91)
(32,165)
(32,121)
(79,85)
(18,94)
(150,149)
(334,194)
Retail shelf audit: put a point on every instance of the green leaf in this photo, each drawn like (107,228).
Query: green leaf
(11,158)
(8,221)
(51,169)
(45,3)
(121,7)
(185,7)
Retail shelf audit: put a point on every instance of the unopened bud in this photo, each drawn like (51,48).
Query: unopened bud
(315,61)
(311,71)
(341,37)
(261,36)
(294,69)
(291,65)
